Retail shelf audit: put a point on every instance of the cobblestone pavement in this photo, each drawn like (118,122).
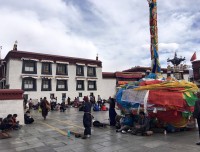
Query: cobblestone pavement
(51,135)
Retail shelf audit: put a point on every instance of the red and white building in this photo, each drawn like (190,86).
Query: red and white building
(45,75)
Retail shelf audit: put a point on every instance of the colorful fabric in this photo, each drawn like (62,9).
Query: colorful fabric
(182,86)
(155,65)
(144,83)
(166,98)
(171,117)
(190,98)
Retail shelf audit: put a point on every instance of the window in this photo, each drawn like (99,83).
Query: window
(46,85)
(46,68)
(80,70)
(92,85)
(80,94)
(61,85)
(29,67)
(29,84)
(61,69)
(91,71)
(80,85)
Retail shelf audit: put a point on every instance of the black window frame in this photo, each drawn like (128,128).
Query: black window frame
(94,71)
(34,84)
(65,69)
(80,94)
(34,66)
(79,82)
(95,85)
(82,70)
(49,84)
(49,68)
(62,89)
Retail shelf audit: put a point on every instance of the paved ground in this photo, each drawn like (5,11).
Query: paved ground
(51,135)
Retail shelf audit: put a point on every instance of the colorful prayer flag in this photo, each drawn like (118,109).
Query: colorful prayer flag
(194,57)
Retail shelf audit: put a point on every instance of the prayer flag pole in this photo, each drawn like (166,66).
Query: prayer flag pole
(155,63)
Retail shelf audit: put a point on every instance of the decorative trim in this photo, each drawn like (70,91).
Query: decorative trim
(80,78)
(46,77)
(92,79)
(61,78)
(92,65)
(31,76)
(62,62)
(80,64)
(11,94)
(47,61)
(29,59)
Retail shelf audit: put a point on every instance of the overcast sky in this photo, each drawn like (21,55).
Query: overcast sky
(118,30)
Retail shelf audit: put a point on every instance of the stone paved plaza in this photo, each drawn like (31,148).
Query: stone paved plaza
(51,135)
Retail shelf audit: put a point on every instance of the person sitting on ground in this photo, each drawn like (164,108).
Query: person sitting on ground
(36,106)
(27,118)
(96,107)
(62,107)
(126,123)
(3,134)
(117,119)
(15,122)
(104,108)
(8,122)
(57,108)
(142,126)
(2,126)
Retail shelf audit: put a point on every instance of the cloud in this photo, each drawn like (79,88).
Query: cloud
(117,30)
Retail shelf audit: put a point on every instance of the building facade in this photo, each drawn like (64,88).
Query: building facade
(164,71)
(44,75)
(196,72)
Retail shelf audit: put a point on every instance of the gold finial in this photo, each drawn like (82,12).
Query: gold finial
(15,46)
(97,57)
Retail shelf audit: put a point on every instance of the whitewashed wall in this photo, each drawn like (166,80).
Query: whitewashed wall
(105,88)
(108,88)
(12,107)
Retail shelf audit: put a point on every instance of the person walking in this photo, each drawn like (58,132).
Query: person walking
(87,118)
(196,113)
(45,106)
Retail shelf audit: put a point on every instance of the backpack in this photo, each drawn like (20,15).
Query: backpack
(96,108)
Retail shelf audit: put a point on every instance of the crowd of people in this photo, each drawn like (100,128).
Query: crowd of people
(7,124)
(126,123)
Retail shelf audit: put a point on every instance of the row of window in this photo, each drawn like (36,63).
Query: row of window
(30,67)
(29,84)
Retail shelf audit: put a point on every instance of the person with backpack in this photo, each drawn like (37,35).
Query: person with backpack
(45,106)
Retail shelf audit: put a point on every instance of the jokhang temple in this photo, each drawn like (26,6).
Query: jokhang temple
(168,100)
